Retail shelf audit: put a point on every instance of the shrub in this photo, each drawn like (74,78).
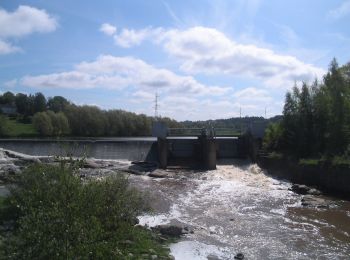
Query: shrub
(57,216)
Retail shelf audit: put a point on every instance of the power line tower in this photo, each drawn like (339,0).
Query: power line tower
(156,107)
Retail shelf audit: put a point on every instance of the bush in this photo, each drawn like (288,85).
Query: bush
(4,125)
(57,216)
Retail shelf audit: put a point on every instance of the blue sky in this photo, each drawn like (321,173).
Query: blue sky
(206,59)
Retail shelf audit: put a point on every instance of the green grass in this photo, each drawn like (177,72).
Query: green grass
(275,155)
(20,129)
(309,161)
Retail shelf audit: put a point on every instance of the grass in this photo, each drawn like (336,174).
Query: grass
(275,155)
(309,161)
(17,129)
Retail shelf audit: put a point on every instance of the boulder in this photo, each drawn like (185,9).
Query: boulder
(212,257)
(316,202)
(239,256)
(168,230)
(300,189)
(304,190)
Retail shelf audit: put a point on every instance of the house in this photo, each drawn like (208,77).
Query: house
(7,109)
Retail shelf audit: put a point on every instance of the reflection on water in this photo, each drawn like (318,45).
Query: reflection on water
(237,208)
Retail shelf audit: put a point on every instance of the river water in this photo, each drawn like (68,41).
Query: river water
(238,208)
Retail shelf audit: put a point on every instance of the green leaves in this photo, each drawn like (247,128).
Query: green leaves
(57,216)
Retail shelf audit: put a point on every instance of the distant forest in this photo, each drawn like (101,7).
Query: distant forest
(56,116)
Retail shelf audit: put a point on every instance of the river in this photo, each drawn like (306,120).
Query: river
(238,208)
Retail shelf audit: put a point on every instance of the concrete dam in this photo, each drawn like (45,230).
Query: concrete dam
(187,151)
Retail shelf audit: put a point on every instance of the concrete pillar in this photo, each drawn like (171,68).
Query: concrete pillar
(162,144)
(208,152)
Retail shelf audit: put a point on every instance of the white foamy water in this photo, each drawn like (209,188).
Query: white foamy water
(240,209)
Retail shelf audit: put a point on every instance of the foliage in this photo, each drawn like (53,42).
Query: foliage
(4,125)
(272,137)
(57,216)
(42,122)
(316,118)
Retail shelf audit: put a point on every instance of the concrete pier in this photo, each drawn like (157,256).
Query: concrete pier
(208,152)
(162,145)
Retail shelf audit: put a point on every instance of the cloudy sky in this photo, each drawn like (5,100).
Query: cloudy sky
(206,59)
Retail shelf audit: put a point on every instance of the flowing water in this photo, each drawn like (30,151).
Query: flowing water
(238,208)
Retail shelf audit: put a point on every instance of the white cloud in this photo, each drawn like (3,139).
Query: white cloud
(342,10)
(209,51)
(129,38)
(6,48)
(252,94)
(108,29)
(23,21)
(206,50)
(120,72)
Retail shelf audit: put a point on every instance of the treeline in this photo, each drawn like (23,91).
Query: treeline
(316,118)
(236,123)
(57,116)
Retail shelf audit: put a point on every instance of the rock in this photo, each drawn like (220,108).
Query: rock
(91,164)
(311,201)
(314,191)
(232,219)
(10,169)
(300,189)
(158,174)
(239,256)
(173,231)
(212,257)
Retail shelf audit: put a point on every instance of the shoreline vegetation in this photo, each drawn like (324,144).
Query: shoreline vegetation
(311,143)
(54,213)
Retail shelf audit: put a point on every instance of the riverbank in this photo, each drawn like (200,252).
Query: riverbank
(234,209)
(330,178)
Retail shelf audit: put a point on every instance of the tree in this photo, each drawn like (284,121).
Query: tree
(8,98)
(4,130)
(39,102)
(57,104)
(60,125)
(22,103)
(42,122)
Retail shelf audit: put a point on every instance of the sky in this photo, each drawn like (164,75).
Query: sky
(205,59)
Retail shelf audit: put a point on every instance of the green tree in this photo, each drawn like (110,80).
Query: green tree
(57,104)
(42,122)
(22,103)
(39,102)
(4,126)
(8,98)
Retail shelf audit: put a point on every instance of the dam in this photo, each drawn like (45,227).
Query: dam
(194,148)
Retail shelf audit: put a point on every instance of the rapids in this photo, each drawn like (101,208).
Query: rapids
(238,208)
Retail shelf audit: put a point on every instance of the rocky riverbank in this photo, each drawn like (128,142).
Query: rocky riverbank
(235,211)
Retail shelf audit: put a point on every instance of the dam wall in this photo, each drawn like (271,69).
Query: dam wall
(134,149)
